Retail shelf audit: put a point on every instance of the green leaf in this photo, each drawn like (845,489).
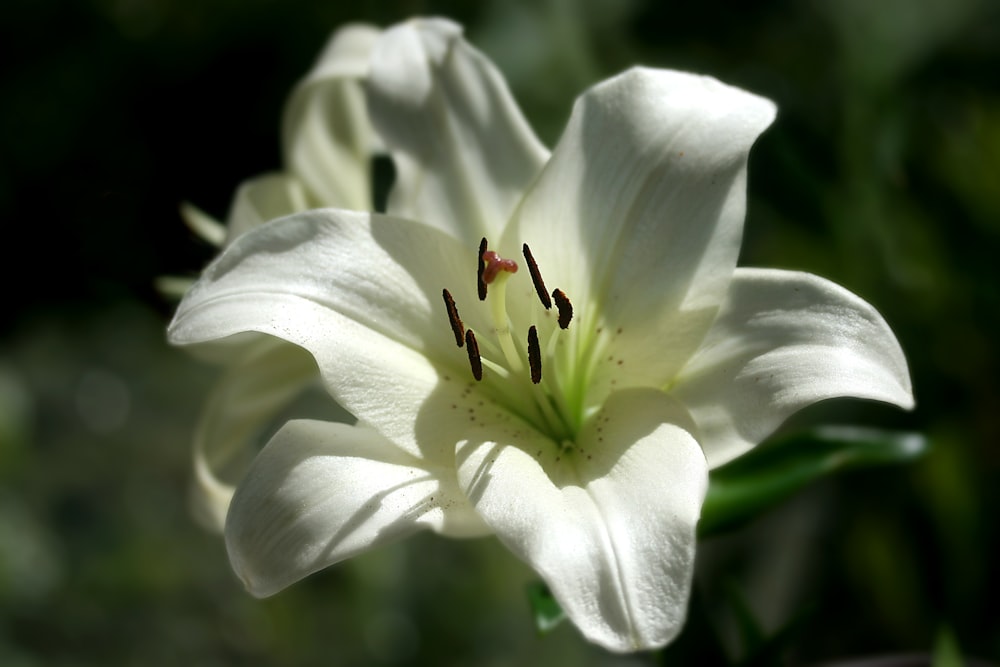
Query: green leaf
(946,650)
(755,482)
(546,611)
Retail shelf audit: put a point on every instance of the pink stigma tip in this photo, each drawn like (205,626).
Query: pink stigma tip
(495,264)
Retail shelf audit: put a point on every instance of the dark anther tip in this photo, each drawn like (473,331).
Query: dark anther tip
(475,361)
(564,306)
(534,355)
(481,268)
(456,322)
(536,277)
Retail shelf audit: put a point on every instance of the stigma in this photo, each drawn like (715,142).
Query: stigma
(491,265)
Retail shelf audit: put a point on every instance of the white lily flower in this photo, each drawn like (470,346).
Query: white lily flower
(327,146)
(552,349)
(328,143)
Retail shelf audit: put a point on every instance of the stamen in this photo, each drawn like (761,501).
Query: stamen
(536,277)
(482,268)
(474,359)
(456,322)
(564,306)
(534,355)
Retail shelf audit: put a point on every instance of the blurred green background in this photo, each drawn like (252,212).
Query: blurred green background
(882,173)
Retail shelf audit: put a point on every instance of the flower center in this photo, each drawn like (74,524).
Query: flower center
(505,363)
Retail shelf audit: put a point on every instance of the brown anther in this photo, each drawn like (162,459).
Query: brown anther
(534,355)
(536,277)
(481,284)
(474,359)
(564,306)
(456,322)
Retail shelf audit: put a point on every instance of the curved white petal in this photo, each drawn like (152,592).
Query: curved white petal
(784,340)
(327,138)
(261,199)
(245,399)
(610,523)
(464,154)
(321,492)
(638,216)
(361,293)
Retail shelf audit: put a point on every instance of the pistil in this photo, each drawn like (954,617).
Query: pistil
(501,325)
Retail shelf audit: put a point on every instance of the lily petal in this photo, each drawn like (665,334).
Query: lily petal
(327,139)
(245,399)
(610,524)
(202,224)
(639,213)
(785,340)
(463,152)
(261,199)
(360,292)
(321,492)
